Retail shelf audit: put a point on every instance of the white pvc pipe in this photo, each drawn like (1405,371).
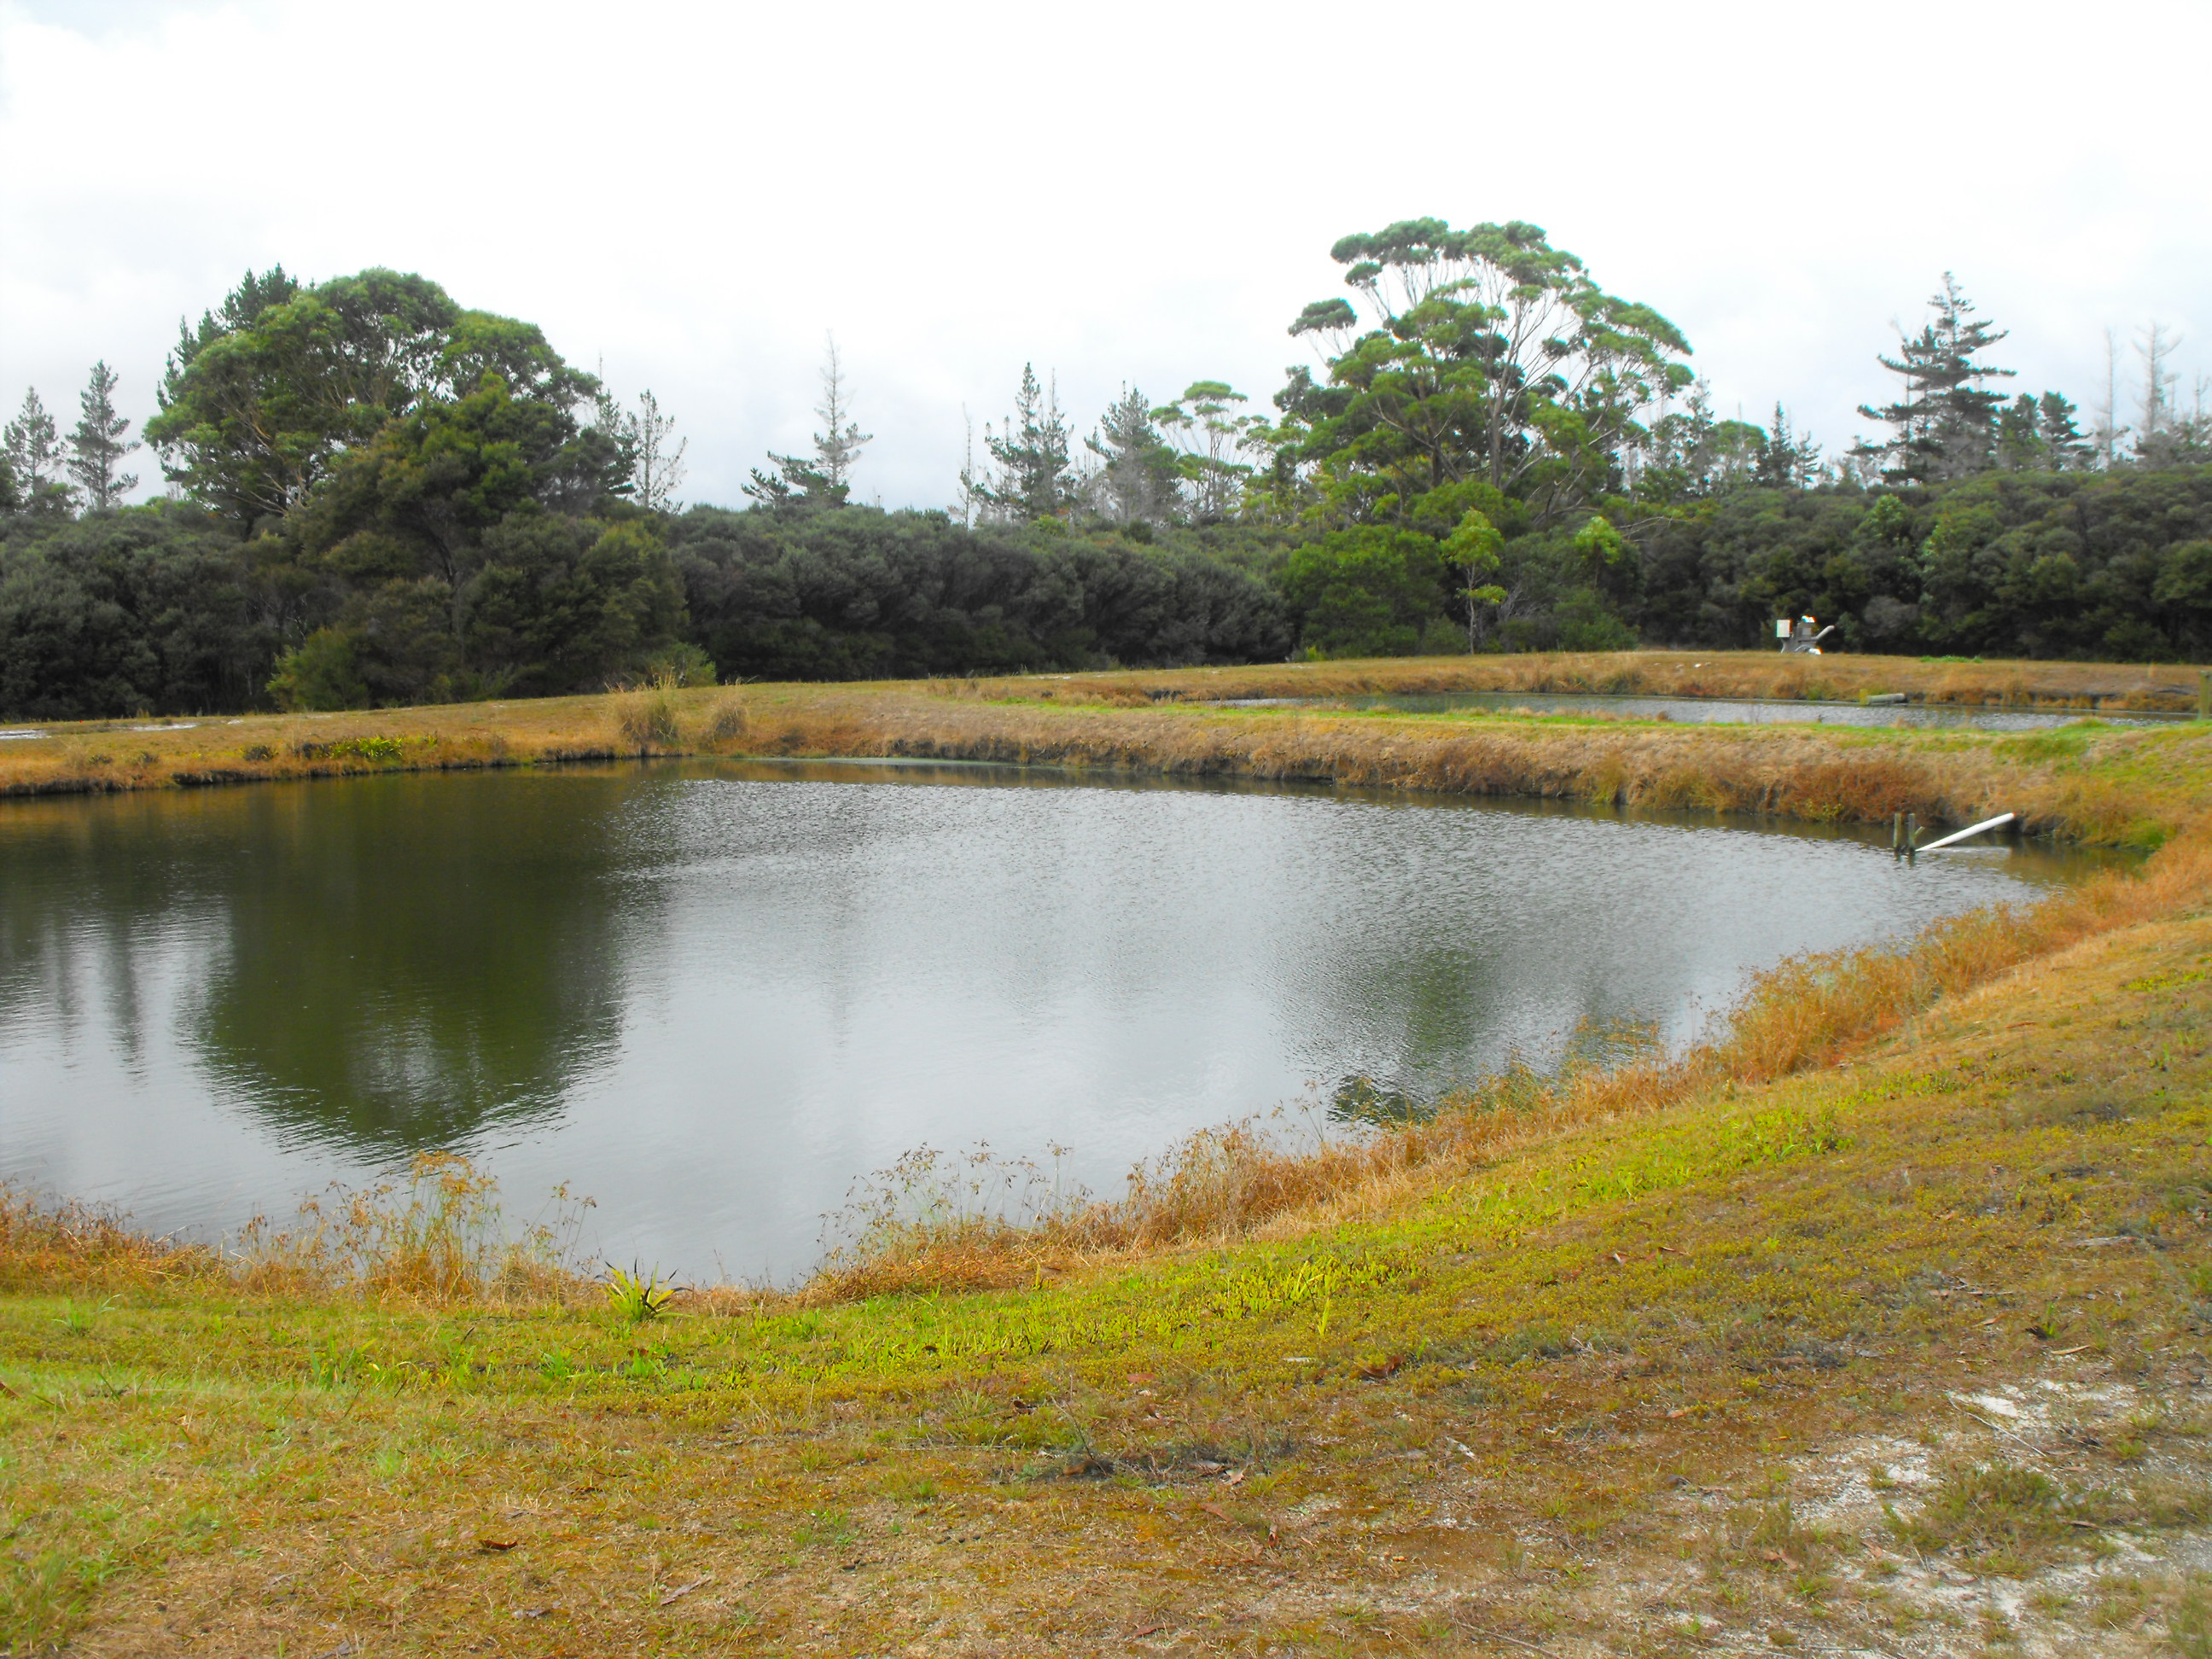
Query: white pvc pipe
(1971,829)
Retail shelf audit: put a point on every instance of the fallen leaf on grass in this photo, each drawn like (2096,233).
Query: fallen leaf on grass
(2060,1354)
(686,1590)
(493,1545)
(1149,1630)
(1215,1510)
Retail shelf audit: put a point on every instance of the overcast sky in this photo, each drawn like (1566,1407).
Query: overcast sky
(694,194)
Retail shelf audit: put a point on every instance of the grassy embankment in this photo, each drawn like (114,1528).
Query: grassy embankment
(1877,1325)
(2113,786)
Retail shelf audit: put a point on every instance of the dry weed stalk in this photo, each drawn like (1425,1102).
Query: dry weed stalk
(437,1237)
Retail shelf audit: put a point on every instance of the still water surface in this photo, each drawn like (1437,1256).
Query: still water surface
(712,994)
(1726,711)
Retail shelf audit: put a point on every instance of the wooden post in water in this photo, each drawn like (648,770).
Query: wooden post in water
(1912,837)
(1897,834)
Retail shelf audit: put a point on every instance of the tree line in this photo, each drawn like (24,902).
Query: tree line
(377,495)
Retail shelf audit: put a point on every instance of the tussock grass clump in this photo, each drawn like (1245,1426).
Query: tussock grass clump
(646,717)
(727,724)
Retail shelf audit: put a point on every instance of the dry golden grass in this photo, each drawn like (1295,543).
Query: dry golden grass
(46,1242)
(2100,785)
(2016,683)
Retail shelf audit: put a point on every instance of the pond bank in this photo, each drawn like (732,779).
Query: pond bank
(2118,786)
(1882,1330)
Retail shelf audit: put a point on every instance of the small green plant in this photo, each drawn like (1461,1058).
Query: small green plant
(2189,1626)
(831,1527)
(378,749)
(78,1318)
(336,1364)
(555,1366)
(2002,1514)
(637,1296)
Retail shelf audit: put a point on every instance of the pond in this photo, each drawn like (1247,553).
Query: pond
(712,994)
(1722,711)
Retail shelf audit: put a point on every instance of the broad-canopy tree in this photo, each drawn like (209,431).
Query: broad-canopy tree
(258,401)
(1491,357)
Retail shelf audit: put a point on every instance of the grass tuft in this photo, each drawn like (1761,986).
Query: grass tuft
(637,1296)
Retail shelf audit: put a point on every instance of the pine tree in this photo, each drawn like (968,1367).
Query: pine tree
(1682,446)
(34,457)
(2064,448)
(804,485)
(1137,480)
(1032,481)
(660,468)
(797,485)
(2020,436)
(1788,460)
(96,446)
(2154,402)
(837,449)
(2168,437)
(2104,437)
(1945,425)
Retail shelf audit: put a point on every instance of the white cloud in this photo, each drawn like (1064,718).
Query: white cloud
(697,192)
